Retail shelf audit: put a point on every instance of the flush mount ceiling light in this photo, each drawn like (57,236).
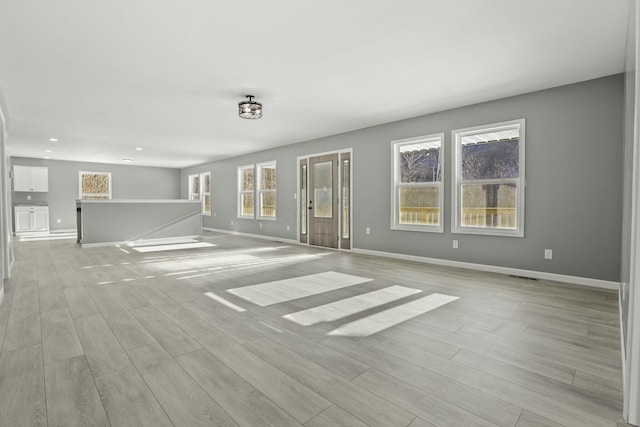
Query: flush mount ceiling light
(250,109)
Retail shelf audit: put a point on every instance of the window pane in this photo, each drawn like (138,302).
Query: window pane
(323,207)
(490,159)
(195,186)
(322,192)
(420,162)
(247,179)
(95,183)
(323,174)
(489,205)
(247,205)
(206,208)
(268,178)
(268,204)
(206,184)
(345,199)
(303,200)
(419,205)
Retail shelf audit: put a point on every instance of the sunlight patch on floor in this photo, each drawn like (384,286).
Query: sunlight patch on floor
(225,302)
(349,306)
(297,287)
(174,247)
(385,319)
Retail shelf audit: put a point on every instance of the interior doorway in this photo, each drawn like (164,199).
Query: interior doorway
(325,199)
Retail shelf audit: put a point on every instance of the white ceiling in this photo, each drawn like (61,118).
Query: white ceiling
(105,77)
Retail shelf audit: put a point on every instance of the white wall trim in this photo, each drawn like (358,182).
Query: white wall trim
(62,230)
(256,236)
(584,281)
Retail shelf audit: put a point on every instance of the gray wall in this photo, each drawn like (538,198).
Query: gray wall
(128,182)
(109,221)
(573,195)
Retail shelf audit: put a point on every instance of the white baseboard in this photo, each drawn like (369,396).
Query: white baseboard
(63,230)
(255,236)
(596,283)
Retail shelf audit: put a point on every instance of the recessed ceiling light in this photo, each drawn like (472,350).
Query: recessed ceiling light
(48,151)
(138,148)
(47,157)
(127,160)
(53,139)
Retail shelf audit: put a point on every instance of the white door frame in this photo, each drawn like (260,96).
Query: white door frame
(297,193)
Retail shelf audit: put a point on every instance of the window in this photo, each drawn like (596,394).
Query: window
(94,185)
(417,199)
(200,189)
(194,187)
(246,188)
(488,187)
(205,187)
(267,190)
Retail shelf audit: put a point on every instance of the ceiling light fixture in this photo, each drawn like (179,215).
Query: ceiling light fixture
(53,139)
(250,109)
(127,160)
(138,149)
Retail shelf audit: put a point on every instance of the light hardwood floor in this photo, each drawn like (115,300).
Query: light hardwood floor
(110,336)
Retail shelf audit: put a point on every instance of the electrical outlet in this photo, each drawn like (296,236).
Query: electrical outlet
(455,244)
(288,228)
(28,197)
(231,222)
(58,220)
(214,214)
(367,230)
(295,196)
(548,254)
(260,225)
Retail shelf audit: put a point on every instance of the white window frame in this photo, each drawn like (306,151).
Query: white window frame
(81,194)
(259,191)
(241,193)
(201,193)
(457,182)
(396,184)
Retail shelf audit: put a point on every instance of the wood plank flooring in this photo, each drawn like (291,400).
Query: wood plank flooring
(111,336)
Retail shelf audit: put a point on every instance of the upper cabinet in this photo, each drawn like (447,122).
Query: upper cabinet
(30,178)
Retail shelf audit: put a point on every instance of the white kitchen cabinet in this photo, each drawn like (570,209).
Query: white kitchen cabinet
(30,178)
(31,218)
